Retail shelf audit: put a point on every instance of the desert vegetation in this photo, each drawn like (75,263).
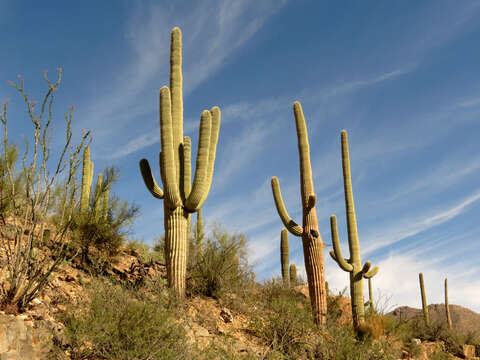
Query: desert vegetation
(193,294)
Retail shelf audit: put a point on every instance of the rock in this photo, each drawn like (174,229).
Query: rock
(70,278)
(226,315)
(468,351)
(416,341)
(36,301)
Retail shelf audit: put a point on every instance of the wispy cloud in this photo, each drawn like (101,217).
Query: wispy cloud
(208,43)
(411,226)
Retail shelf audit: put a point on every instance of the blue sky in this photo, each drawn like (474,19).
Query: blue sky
(401,77)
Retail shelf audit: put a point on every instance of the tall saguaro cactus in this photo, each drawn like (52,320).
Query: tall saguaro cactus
(353,265)
(424,299)
(180,197)
(284,256)
(311,239)
(447,308)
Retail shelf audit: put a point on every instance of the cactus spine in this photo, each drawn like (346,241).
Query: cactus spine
(293,275)
(180,197)
(311,239)
(284,256)
(87,177)
(353,265)
(447,308)
(424,300)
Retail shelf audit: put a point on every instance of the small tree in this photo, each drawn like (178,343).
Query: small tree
(22,232)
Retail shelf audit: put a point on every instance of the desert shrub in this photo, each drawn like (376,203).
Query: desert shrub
(120,324)
(282,320)
(144,252)
(104,234)
(27,186)
(221,266)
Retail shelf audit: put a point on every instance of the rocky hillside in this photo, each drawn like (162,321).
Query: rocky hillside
(227,328)
(463,320)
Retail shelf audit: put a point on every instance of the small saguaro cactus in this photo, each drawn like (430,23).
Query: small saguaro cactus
(424,300)
(353,265)
(311,239)
(87,177)
(447,308)
(98,195)
(370,295)
(293,275)
(180,197)
(284,256)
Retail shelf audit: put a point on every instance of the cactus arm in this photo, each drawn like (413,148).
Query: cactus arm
(291,225)
(337,252)
(172,194)
(197,195)
(187,166)
(149,179)
(350,207)
(366,267)
(176,80)
(371,273)
(216,119)
(304,153)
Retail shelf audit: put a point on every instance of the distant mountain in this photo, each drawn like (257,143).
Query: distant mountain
(464,320)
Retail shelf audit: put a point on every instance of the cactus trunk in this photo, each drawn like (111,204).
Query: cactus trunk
(353,265)
(424,300)
(311,239)
(176,256)
(447,308)
(284,256)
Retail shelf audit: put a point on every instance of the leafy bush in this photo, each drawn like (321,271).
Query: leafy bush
(120,324)
(144,252)
(221,266)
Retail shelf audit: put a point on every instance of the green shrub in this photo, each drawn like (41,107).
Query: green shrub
(119,324)
(221,266)
(282,320)
(145,253)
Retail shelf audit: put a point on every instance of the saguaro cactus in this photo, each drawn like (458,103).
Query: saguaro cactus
(293,274)
(353,265)
(87,177)
(284,256)
(424,300)
(370,295)
(180,197)
(447,308)
(311,239)
(98,196)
